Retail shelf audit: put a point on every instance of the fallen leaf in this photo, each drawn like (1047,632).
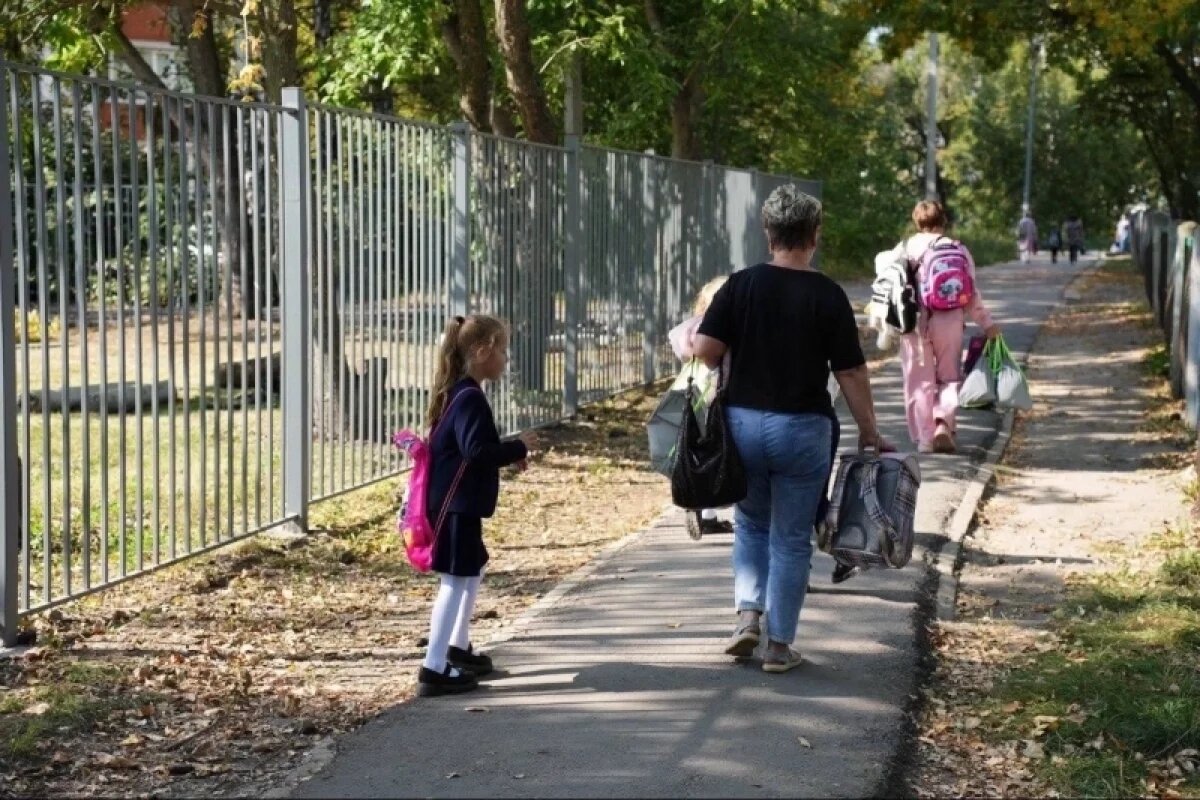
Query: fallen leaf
(519,775)
(37,709)
(1033,749)
(674,624)
(1012,708)
(805,743)
(453,775)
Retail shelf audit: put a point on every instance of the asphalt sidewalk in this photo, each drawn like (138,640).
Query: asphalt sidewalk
(616,685)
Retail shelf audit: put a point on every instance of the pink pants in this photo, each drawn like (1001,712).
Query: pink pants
(931,387)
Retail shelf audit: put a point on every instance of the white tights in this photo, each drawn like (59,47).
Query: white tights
(451,619)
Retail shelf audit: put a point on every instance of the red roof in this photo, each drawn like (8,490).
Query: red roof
(147,22)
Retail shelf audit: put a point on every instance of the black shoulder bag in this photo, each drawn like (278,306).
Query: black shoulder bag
(708,471)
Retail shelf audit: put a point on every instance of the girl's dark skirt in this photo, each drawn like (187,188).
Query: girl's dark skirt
(459,548)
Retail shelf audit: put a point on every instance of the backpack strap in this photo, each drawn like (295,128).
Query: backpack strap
(835,500)
(462,468)
(870,498)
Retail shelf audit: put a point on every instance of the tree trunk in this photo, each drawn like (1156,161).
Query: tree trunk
(512,33)
(685,109)
(279,31)
(464,32)
(189,18)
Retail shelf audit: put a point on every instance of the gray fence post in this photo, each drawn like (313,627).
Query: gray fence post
(460,235)
(708,204)
(649,268)
(10,477)
(572,269)
(296,290)
(1191,367)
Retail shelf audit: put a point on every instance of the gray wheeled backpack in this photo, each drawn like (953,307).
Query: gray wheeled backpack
(870,519)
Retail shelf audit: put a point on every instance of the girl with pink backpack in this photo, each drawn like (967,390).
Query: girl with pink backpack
(931,355)
(454,486)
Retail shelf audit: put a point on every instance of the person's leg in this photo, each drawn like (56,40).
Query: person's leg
(797,447)
(945,338)
(920,385)
(460,636)
(441,624)
(751,530)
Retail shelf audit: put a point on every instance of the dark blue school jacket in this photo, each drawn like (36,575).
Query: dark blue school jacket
(468,431)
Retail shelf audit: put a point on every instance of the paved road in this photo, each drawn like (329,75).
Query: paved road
(620,689)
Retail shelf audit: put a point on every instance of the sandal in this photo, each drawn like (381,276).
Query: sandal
(744,640)
(790,661)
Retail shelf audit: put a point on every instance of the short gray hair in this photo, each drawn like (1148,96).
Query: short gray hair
(791,218)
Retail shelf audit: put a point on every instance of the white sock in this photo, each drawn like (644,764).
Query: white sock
(461,636)
(708,513)
(441,623)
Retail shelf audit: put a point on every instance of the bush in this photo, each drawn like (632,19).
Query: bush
(31,330)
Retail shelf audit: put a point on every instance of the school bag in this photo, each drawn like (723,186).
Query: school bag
(871,510)
(944,276)
(413,520)
(894,290)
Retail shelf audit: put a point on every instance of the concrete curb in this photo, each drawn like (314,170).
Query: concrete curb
(950,556)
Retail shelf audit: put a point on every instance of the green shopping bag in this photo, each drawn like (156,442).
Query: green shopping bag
(1012,390)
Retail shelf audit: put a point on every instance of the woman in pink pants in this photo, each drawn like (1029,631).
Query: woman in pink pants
(931,356)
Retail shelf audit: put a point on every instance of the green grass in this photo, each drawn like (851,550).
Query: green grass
(74,702)
(1157,362)
(1124,688)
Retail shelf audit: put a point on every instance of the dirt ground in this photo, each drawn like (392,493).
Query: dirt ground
(214,677)
(1096,469)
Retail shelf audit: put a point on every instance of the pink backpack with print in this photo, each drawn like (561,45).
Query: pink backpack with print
(413,520)
(944,276)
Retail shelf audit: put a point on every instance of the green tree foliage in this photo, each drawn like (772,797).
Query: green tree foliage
(828,89)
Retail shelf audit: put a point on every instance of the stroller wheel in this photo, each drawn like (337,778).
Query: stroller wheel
(695,527)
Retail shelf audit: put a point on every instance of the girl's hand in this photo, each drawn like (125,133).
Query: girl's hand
(992,332)
(530,440)
(522,465)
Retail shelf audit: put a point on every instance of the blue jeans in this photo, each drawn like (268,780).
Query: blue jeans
(786,457)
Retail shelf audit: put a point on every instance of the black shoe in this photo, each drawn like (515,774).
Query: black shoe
(843,572)
(695,525)
(715,525)
(432,684)
(469,661)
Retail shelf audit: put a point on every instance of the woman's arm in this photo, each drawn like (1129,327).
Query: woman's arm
(856,386)
(977,310)
(708,350)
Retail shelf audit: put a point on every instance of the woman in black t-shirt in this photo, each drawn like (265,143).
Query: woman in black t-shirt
(787,326)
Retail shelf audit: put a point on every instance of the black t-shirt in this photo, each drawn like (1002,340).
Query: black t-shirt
(785,329)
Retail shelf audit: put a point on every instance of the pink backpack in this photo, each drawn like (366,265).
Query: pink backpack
(944,275)
(413,520)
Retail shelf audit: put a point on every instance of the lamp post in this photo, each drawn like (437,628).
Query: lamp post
(931,129)
(1035,58)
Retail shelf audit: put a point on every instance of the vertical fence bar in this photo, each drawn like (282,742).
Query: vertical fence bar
(460,239)
(650,223)
(10,467)
(572,271)
(297,431)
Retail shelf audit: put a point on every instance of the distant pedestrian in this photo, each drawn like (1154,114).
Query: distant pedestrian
(1121,241)
(464,483)
(931,356)
(682,338)
(786,326)
(1054,242)
(1075,237)
(1027,234)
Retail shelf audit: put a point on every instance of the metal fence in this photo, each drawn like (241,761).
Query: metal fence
(1166,253)
(214,313)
